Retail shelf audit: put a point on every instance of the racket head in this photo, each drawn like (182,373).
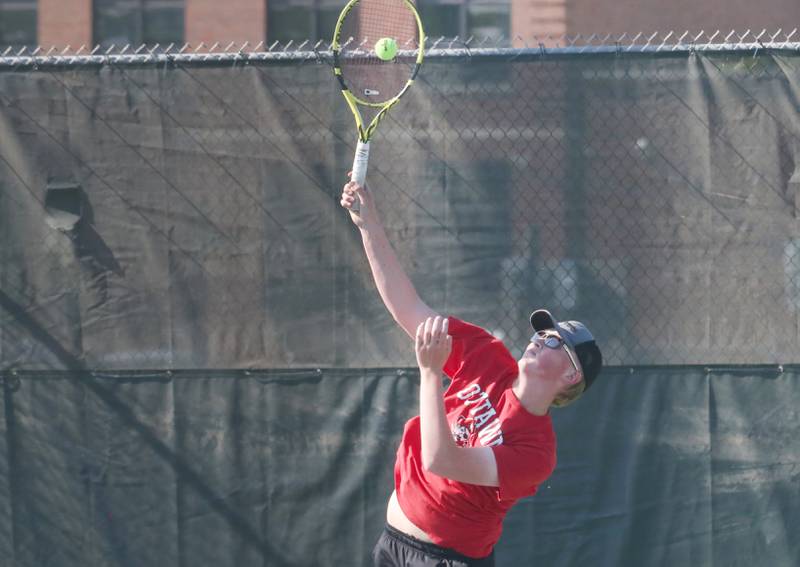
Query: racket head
(364,77)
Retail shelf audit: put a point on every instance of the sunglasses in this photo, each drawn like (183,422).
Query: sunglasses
(553,340)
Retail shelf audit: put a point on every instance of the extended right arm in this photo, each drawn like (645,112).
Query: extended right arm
(394,285)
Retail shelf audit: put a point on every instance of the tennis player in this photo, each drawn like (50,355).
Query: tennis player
(486,442)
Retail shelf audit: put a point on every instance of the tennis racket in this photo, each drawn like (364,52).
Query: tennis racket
(372,85)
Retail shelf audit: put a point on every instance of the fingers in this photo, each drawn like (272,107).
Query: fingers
(432,331)
(432,343)
(428,330)
(348,200)
(352,193)
(353,187)
(439,329)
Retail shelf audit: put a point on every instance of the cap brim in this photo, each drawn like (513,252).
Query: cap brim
(542,319)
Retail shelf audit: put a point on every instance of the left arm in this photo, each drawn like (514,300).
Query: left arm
(440,454)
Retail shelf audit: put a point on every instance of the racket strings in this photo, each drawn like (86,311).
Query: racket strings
(365,74)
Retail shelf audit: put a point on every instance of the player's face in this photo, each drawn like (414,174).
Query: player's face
(548,355)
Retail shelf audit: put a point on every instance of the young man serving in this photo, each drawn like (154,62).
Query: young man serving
(487,441)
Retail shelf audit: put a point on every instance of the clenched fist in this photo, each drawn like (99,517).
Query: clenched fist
(357,199)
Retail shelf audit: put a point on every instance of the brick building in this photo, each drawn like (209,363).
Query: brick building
(105,22)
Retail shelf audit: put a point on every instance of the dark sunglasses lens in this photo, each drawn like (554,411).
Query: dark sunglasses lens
(552,342)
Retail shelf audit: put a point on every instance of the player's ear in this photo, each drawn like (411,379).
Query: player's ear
(572,377)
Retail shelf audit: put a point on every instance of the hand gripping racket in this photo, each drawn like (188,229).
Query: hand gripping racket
(373,84)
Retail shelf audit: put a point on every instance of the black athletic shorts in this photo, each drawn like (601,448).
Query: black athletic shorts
(396,549)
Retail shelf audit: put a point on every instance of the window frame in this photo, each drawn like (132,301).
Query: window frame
(463,14)
(9,6)
(139,10)
(314,7)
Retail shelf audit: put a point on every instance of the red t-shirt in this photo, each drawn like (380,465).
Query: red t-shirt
(482,410)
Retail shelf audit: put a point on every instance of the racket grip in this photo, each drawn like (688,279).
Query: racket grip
(360,168)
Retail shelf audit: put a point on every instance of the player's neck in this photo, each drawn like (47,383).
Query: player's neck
(534,395)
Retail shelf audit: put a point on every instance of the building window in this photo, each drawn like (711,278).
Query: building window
(17,23)
(300,20)
(479,19)
(134,22)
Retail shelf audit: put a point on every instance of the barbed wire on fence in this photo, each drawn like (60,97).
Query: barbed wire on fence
(641,42)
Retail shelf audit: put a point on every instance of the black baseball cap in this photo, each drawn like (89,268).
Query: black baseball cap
(578,337)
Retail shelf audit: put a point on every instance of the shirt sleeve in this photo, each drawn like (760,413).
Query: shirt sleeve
(473,347)
(522,468)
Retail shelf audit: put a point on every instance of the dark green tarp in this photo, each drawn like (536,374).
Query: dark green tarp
(672,466)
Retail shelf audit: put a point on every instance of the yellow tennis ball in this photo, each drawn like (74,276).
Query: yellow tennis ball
(386,48)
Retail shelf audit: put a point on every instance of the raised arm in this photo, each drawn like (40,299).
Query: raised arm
(394,285)
(440,454)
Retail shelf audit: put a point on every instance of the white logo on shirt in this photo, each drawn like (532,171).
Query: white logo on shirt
(478,419)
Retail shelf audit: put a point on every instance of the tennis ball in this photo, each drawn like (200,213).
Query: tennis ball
(386,48)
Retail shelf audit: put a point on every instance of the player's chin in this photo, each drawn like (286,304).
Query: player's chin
(526,363)
(529,354)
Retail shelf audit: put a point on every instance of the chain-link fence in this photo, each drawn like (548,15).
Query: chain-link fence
(167,210)
(170,234)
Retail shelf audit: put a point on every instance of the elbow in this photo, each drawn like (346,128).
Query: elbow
(432,462)
(429,462)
